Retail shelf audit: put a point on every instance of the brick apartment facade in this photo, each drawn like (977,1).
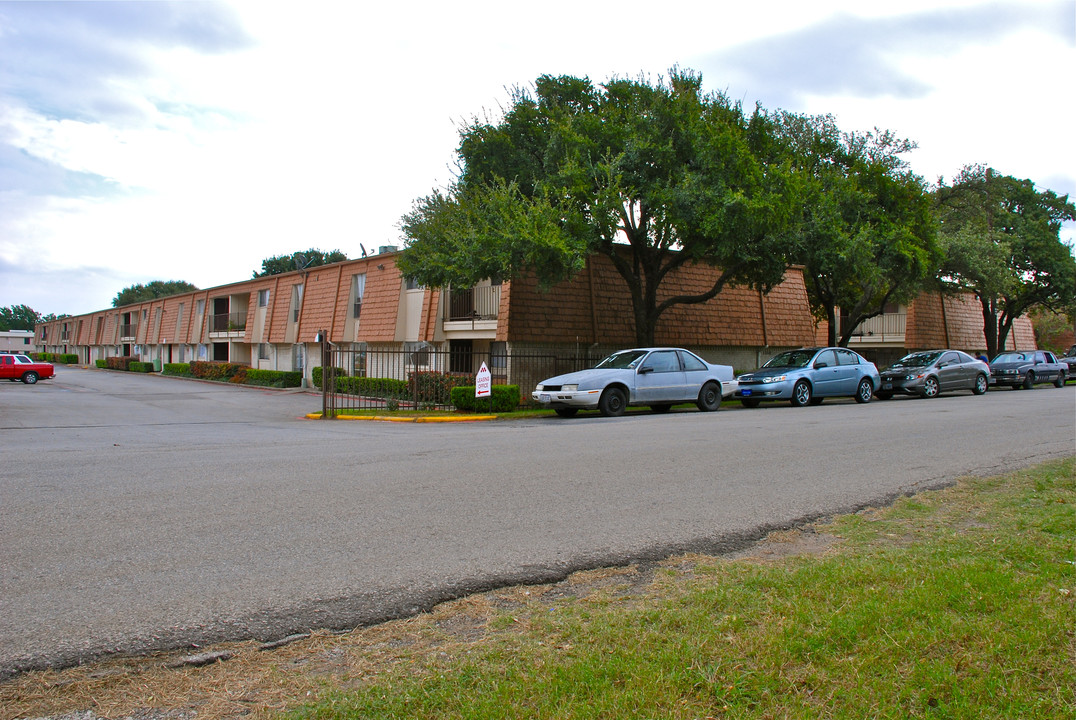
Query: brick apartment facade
(273,322)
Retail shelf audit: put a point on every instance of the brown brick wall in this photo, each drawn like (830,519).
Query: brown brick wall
(594,307)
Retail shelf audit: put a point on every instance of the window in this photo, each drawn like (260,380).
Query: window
(418,353)
(296,301)
(263,351)
(847,357)
(498,355)
(662,362)
(199,307)
(358,289)
(826,358)
(358,360)
(691,363)
(263,298)
(412,284)
(297,356)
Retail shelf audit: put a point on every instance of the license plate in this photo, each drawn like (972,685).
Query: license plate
(745,392)
(544,397)
(887,386)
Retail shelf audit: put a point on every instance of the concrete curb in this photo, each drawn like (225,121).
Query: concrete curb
(386,418)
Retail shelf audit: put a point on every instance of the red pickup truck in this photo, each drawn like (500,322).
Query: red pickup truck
(20,367)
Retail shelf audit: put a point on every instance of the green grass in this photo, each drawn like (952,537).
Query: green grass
(952,604)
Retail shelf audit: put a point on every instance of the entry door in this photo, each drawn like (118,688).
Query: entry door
(460,356)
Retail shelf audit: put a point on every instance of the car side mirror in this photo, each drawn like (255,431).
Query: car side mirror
(820,365)
(646,369)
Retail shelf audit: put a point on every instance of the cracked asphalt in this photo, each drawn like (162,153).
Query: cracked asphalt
(143,512)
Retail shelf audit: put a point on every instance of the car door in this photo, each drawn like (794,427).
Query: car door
(825,374)
(7,366)
(659,378)
(847,372)
(695,374)
(951,372)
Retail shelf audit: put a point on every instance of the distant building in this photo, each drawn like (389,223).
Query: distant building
(17,341)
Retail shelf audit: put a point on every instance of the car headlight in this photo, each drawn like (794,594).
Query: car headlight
(775,378)
(538,388)
(569,388)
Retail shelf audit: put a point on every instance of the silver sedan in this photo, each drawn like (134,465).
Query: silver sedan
(808,375)
(658,377)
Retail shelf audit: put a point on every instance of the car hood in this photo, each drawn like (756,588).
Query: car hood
(904,368)
(784,370)
(590,376)
(1009,365)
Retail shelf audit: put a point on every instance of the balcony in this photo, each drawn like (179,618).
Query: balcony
(228,324)
(477,304)
(885,329)
(128,331)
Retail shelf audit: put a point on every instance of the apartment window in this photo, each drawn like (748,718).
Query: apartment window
(418,353)
(412,284)
(358,360)
(263,351)
(263,298)
(199,307)
(358,289)
(179,321)
(296,301)
(498,355)
(297,357)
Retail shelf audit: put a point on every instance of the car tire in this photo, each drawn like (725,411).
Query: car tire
(801,394)
(864,391)
(612,402)
(816,401)
(884,395)
(930,388)
(749,403)
(981,384)
(566,412)
(660,408)
(30,378)
(1029,381)
(1060,382)
(709,397)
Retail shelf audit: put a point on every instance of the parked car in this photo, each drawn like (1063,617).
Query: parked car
(1027,369)
(808,375)
(20,367)
(1070,360)
(931,372)
(658,377)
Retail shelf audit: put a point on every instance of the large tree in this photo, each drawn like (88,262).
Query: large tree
(151,291)
(867,237)
(652,175)
(1003,244)
(18,317)
(279,264)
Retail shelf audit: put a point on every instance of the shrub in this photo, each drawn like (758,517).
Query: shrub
(216,370)
(143,367)
(68,358)
(315,375)
(274,378)
(505,398)
(101,363)
(372,387)
(435,387)
(177,369)
(119,363)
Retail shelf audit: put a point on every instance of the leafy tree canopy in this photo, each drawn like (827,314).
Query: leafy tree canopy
(279,264)
(866,237)
(18,317)
(1002,239)
(652,175)
(151,291)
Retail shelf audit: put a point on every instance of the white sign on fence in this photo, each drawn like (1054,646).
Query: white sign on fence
(483,382)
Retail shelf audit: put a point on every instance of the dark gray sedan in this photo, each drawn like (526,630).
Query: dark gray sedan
(931,372)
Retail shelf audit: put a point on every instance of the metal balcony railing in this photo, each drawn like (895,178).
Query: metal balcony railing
(128,330)
(478,303)
(228,322)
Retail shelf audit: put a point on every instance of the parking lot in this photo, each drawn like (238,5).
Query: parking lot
(141,512)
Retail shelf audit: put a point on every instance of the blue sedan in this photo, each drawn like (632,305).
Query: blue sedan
(806,376)
(658,377)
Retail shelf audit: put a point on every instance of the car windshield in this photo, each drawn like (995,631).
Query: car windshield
(917,359)
(1012,357)
(792,358)
(621,360)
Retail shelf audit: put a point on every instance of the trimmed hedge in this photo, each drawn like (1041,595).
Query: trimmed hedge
(505,398)
(315,375)
(143,367)
(177,369)
(217,370)
(101,363)
(65,358)
(119,363)
(373,387)
(435,387)
(274,378)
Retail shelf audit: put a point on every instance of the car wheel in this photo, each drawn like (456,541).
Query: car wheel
(981,384)
(930,388)
(709,397)
(801,394)
(748,403)
(1060,382)
(566,412)
(884,395)
(865,391)
(612,402)
(30,378)
(1029,381)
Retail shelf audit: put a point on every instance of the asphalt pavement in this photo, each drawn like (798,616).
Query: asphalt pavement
(143,512)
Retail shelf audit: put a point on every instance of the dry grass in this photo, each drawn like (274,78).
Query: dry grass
(257,683)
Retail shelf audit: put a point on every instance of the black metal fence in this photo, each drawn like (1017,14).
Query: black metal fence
(423,378)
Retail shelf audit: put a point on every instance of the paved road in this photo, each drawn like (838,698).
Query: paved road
(146,512)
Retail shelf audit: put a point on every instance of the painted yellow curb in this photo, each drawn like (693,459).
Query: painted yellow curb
(386,418)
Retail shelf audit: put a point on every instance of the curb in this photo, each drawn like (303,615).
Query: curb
(386,418)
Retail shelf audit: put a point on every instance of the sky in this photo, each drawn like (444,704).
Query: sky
(145,141)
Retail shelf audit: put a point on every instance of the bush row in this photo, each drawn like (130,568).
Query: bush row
(65,358)
(177,369)
(274,378)
(503,398)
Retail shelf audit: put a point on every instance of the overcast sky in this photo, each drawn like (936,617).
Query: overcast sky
(146,141)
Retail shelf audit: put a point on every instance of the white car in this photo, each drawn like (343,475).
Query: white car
(657,377)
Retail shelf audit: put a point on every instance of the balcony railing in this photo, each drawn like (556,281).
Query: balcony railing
(228,322)
(128,330)
(478,303)
(888,327)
